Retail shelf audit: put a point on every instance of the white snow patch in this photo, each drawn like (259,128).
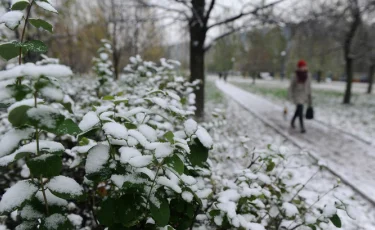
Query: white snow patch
(290,209)
(140,161)
(11,140)
(55,220)
(76,220)
(190,126)
(116,130)
(16,195)
(12,19)
(187,196)
(169,183)
(148,132)
(88,121)
(204,137)
(62,184)
(96,158)
(163,150)
(51,199)
(47,6)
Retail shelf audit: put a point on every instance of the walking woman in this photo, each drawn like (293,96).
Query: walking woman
(300,92)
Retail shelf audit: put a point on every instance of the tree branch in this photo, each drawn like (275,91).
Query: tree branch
(242,14)
(210,8)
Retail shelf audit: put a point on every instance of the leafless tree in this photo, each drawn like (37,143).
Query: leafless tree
(200,19)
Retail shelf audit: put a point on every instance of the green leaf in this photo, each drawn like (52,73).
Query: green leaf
(18,116)
(130,125)
(128,209)
(170,137)
(19,92)
(335,219)
(84,141)
(39,23)
(108,98)
(270,166)
(160,214)
(214,213)
(312,227)
(20,5)
(198,153)
(55,119)
(22,155)
(68,127)
(175,163)
(56,222)
(35,46)
(119,101)
(48,165)
(9,50)
(106,213)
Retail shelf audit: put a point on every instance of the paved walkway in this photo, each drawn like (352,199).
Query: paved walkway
(347,157)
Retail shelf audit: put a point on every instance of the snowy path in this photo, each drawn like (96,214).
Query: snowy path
(350,159)
(332,86)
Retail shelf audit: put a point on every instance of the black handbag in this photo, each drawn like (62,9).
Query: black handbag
(310,113)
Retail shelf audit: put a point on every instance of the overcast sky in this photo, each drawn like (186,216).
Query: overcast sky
(177,33)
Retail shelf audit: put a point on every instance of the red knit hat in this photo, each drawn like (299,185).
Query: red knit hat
(301,63)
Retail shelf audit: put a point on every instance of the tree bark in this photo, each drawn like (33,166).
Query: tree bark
(349,80)
(198,30)
(347,48)
(370,78)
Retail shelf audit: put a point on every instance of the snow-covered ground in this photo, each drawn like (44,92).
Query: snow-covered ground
(301,166)
(357,119)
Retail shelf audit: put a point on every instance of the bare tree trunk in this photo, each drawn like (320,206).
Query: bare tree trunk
(115,54)
(198,32)
(349,79)
(370,78)
(347,48)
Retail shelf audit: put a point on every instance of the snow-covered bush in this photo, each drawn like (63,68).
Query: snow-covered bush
(147,156)
(136,160)
(104,69)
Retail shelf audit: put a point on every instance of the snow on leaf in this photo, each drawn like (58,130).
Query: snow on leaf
(16,195)
(127,153)
(62,184)
(169,183)
(289,209)
(187,196)
(54,221)
(12,19)
(27,102)
(11,140)
(116,130)
(140,161)
(204,137)
(163,150)
(76,220)
(51,199)
(329,210)
(29,213)
(48,146)
(190,127)
(46,5)
(97,158)
(148,132)
(50,70)
(89,121)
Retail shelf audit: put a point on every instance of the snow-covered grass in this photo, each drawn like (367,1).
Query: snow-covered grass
(357,118)
(228,157)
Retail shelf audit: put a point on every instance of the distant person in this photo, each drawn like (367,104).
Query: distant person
(220,75)
(225,76)
(319,76)
(300,92)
